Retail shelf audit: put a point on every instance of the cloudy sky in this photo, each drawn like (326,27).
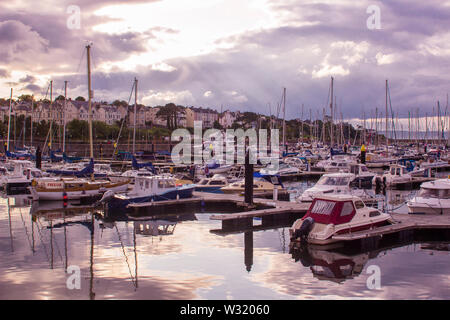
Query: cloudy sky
(233,54)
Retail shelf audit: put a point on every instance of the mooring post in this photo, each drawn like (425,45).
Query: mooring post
(248,250)
(248,179)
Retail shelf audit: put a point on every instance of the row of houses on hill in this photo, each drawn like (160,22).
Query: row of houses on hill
(146,116)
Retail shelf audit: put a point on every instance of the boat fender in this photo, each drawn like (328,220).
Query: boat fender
(108,195)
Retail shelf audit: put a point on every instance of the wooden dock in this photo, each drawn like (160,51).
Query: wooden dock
(413,184)
(404,222)
(265,214)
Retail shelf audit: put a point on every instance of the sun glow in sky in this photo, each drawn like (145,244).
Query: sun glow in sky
(185,29)
(233,53)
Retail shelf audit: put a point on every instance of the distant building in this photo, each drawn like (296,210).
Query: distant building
(207,116)
(227,118)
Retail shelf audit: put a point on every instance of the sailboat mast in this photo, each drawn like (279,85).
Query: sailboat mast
(88,49)
(64,119)
(135,111)
(31,120)
(448,120)
(302,125)
(284,118)
(51,114)
(331,107)
(387,139)
(9,120)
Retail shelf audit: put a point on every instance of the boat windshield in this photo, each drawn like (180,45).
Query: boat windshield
(203,182)
(163,184)
(323,207)
(36,174)
(334,181)
(434,193)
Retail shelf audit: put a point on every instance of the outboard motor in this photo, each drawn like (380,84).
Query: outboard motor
(304,229)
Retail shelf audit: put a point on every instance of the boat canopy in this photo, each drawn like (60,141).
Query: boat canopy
(329,211)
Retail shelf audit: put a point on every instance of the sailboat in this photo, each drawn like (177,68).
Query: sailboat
(77,188)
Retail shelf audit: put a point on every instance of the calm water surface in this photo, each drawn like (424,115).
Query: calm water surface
(185,259)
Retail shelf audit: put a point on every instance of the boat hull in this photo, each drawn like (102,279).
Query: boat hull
(120,202)
(428,210)
(209,189)
(75,194)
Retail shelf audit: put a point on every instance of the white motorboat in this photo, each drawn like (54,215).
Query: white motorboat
(332,183)
(103,170)
(329,216)
(363,177)
(396,174)
(149,189)
(260,185)
(296,162)
(137,173)
(215,166)
(338,163)
(283,169)
(433,198)
(21,176)
(213,184)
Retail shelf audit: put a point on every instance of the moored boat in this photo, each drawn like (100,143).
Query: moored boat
(336,215)
(332,183)
(213,184)
(433,198)
(55,189)
(149,189)
(260,185)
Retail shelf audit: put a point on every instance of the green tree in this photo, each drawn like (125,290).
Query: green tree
(25,98)
(80,98)
(217,125)
(169,112)
(77,129)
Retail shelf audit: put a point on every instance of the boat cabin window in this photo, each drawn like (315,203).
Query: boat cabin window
(429,193)
(323,207)
(359,204)
(217,183)
(203,182)
(36,174)
(392,171)
(165,184)
(445,194)
(170,184)
(364,169)
(147,184)
(347,209)
(333,181)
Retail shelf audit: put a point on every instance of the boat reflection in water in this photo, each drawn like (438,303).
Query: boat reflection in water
(61,214)
(340,263)
(332,266)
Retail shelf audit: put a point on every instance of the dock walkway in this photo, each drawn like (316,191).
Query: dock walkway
(403,222)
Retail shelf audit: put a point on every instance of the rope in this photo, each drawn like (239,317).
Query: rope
(26,230)
(126,257)
(116,145)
